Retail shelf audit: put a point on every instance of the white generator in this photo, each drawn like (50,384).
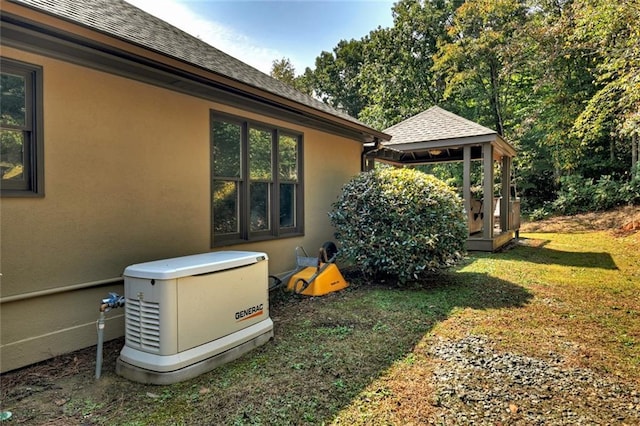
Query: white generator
(187,315)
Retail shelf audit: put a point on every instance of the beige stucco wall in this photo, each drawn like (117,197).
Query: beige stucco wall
(126,180)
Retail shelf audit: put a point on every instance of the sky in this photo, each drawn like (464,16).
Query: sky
(260,31)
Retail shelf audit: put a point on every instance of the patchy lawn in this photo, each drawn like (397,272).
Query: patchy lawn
(543,331)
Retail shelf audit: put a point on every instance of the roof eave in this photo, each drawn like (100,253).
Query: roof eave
(442,143)
(503,146)
(83,34)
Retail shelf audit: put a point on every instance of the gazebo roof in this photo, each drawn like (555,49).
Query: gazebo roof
(435,124)
(437,135)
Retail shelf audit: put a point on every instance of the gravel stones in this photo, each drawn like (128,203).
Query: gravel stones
(475,384)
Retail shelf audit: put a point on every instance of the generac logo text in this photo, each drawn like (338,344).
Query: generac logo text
(249,313)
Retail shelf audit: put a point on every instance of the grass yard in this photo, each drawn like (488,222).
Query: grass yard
(361,356)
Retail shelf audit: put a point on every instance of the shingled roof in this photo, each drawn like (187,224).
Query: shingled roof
(435,124)
(437,135)
(117,18)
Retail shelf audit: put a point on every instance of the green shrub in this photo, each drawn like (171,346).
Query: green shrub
(574,196)
(539,213)
(399,222)
(578,194)
(630,191)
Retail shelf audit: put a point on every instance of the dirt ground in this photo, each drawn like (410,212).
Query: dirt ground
(44,388)
(619,221)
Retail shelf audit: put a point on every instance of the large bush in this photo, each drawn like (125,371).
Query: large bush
(399,222)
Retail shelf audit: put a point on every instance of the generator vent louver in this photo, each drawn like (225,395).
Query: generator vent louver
(143,324)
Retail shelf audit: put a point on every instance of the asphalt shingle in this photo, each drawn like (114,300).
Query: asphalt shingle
(434,124)
(120,19)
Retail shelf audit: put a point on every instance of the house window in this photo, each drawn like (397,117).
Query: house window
(256,181)
(21,150)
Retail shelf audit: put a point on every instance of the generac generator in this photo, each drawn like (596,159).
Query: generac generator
(185,316)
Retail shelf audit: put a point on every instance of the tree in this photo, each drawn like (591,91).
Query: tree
(473,62)
(609,32)
(386,76)
(396,74)
(335,77)
(560,79)
(283,70)
(551,80)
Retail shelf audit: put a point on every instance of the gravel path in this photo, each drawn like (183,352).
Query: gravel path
(478,385)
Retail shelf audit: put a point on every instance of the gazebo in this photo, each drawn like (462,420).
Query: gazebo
(436,136)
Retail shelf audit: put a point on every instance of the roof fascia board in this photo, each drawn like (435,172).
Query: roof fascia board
(412,163)
(395,157)
(503,147)
(70,34)
(442,143)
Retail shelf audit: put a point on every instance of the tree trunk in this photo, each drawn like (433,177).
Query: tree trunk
(635,147)
(495,98)
(612,150)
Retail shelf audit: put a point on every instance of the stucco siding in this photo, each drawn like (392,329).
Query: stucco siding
(127,180)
